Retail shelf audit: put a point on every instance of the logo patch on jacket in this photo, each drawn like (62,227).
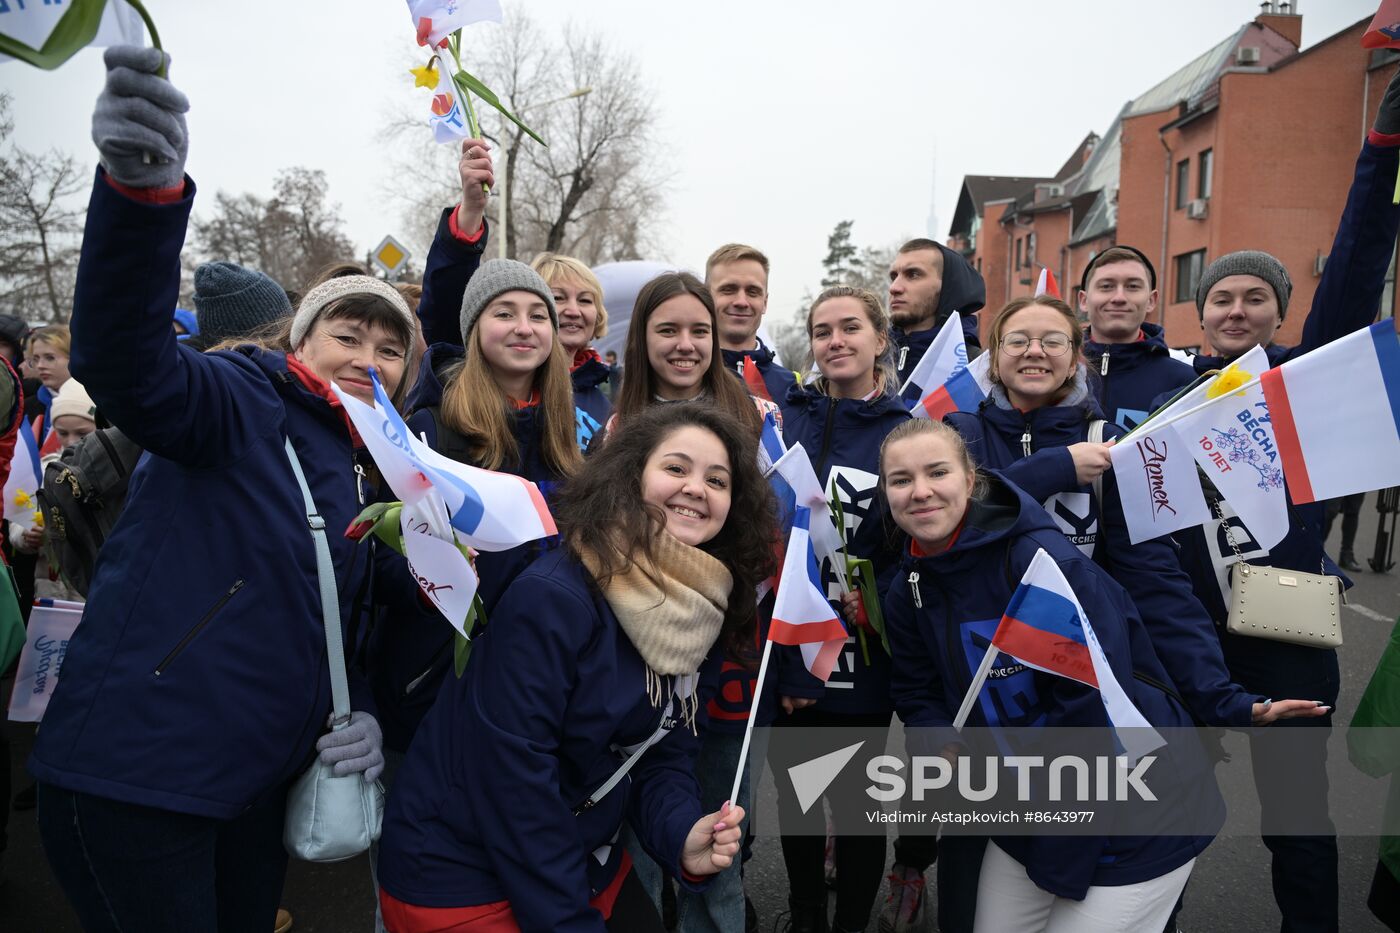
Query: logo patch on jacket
(1009,697)
(585,426)
(1078,518)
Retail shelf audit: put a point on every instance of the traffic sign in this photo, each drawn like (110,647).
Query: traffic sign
(390,255)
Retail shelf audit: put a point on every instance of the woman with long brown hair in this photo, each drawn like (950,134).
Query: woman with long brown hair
(673,352)
(507,405)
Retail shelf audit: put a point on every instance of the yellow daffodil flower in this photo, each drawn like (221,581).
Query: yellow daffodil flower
(22,499)
(426,76)
(1228,381)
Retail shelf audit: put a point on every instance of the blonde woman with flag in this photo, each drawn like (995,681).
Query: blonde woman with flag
(505,404)
(840,417)
(971,537)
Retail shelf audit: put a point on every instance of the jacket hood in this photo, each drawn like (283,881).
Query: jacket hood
(809,397)
(761,355)
(964,290)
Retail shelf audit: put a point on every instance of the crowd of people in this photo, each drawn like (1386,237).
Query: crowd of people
(576,774)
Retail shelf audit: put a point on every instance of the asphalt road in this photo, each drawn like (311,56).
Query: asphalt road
(1230,888)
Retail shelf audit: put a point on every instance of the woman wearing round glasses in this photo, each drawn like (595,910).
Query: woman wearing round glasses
(1034,428)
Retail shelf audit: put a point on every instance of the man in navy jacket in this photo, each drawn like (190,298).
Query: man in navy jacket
(737,277)
(1127,358)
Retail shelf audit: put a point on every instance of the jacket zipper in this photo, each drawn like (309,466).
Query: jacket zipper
(1103,364)
(903,355)
(826,436)
(198,627)
(1026,442)
(914,589)
(439,656)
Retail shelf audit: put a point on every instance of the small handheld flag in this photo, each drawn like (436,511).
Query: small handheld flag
(1044,627)
(801,617)
(1047,285)
(942,382)
(1336,415)
(801,614)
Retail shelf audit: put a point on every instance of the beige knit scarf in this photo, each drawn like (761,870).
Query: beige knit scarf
(672,610)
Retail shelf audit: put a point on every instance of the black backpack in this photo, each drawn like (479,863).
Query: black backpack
(82,496)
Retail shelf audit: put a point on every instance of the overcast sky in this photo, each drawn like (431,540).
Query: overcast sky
(778,119)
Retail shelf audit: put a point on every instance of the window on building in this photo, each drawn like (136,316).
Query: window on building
(1203,173)
(979,265)
(1018,252)
(1030,249)
(1183,183)
(1189,267)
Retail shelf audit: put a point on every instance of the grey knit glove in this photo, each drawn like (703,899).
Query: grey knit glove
(357,747)
(139,122)
(1388,116)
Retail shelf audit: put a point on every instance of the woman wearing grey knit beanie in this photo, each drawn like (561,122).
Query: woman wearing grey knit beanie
(507,406)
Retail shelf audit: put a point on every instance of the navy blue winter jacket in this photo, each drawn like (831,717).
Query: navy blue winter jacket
(842,438)
(962,291)
(483,808)
(198,681)
(777,377)
(588,380)
(1127,377)
(1031,450)
(449,266)
(408,659)
(941,612)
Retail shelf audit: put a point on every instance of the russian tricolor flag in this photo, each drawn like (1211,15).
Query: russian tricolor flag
(801,614)
(1047,285)
(1336,415)
(1045,628)
(942,382)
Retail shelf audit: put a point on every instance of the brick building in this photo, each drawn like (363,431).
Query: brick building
(1250,145)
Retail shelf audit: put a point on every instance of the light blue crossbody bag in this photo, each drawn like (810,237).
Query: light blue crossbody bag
(330,818)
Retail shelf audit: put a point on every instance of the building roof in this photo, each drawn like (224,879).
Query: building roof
(1189,84)
(978,190)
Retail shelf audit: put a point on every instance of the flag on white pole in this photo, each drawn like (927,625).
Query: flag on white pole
(1336,414)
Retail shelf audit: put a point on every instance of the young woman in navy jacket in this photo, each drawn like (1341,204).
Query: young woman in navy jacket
(502,812)
(840,418)
(971,539)
(1034,427)
(506,405)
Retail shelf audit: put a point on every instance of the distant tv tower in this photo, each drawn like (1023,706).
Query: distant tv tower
(934,232)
